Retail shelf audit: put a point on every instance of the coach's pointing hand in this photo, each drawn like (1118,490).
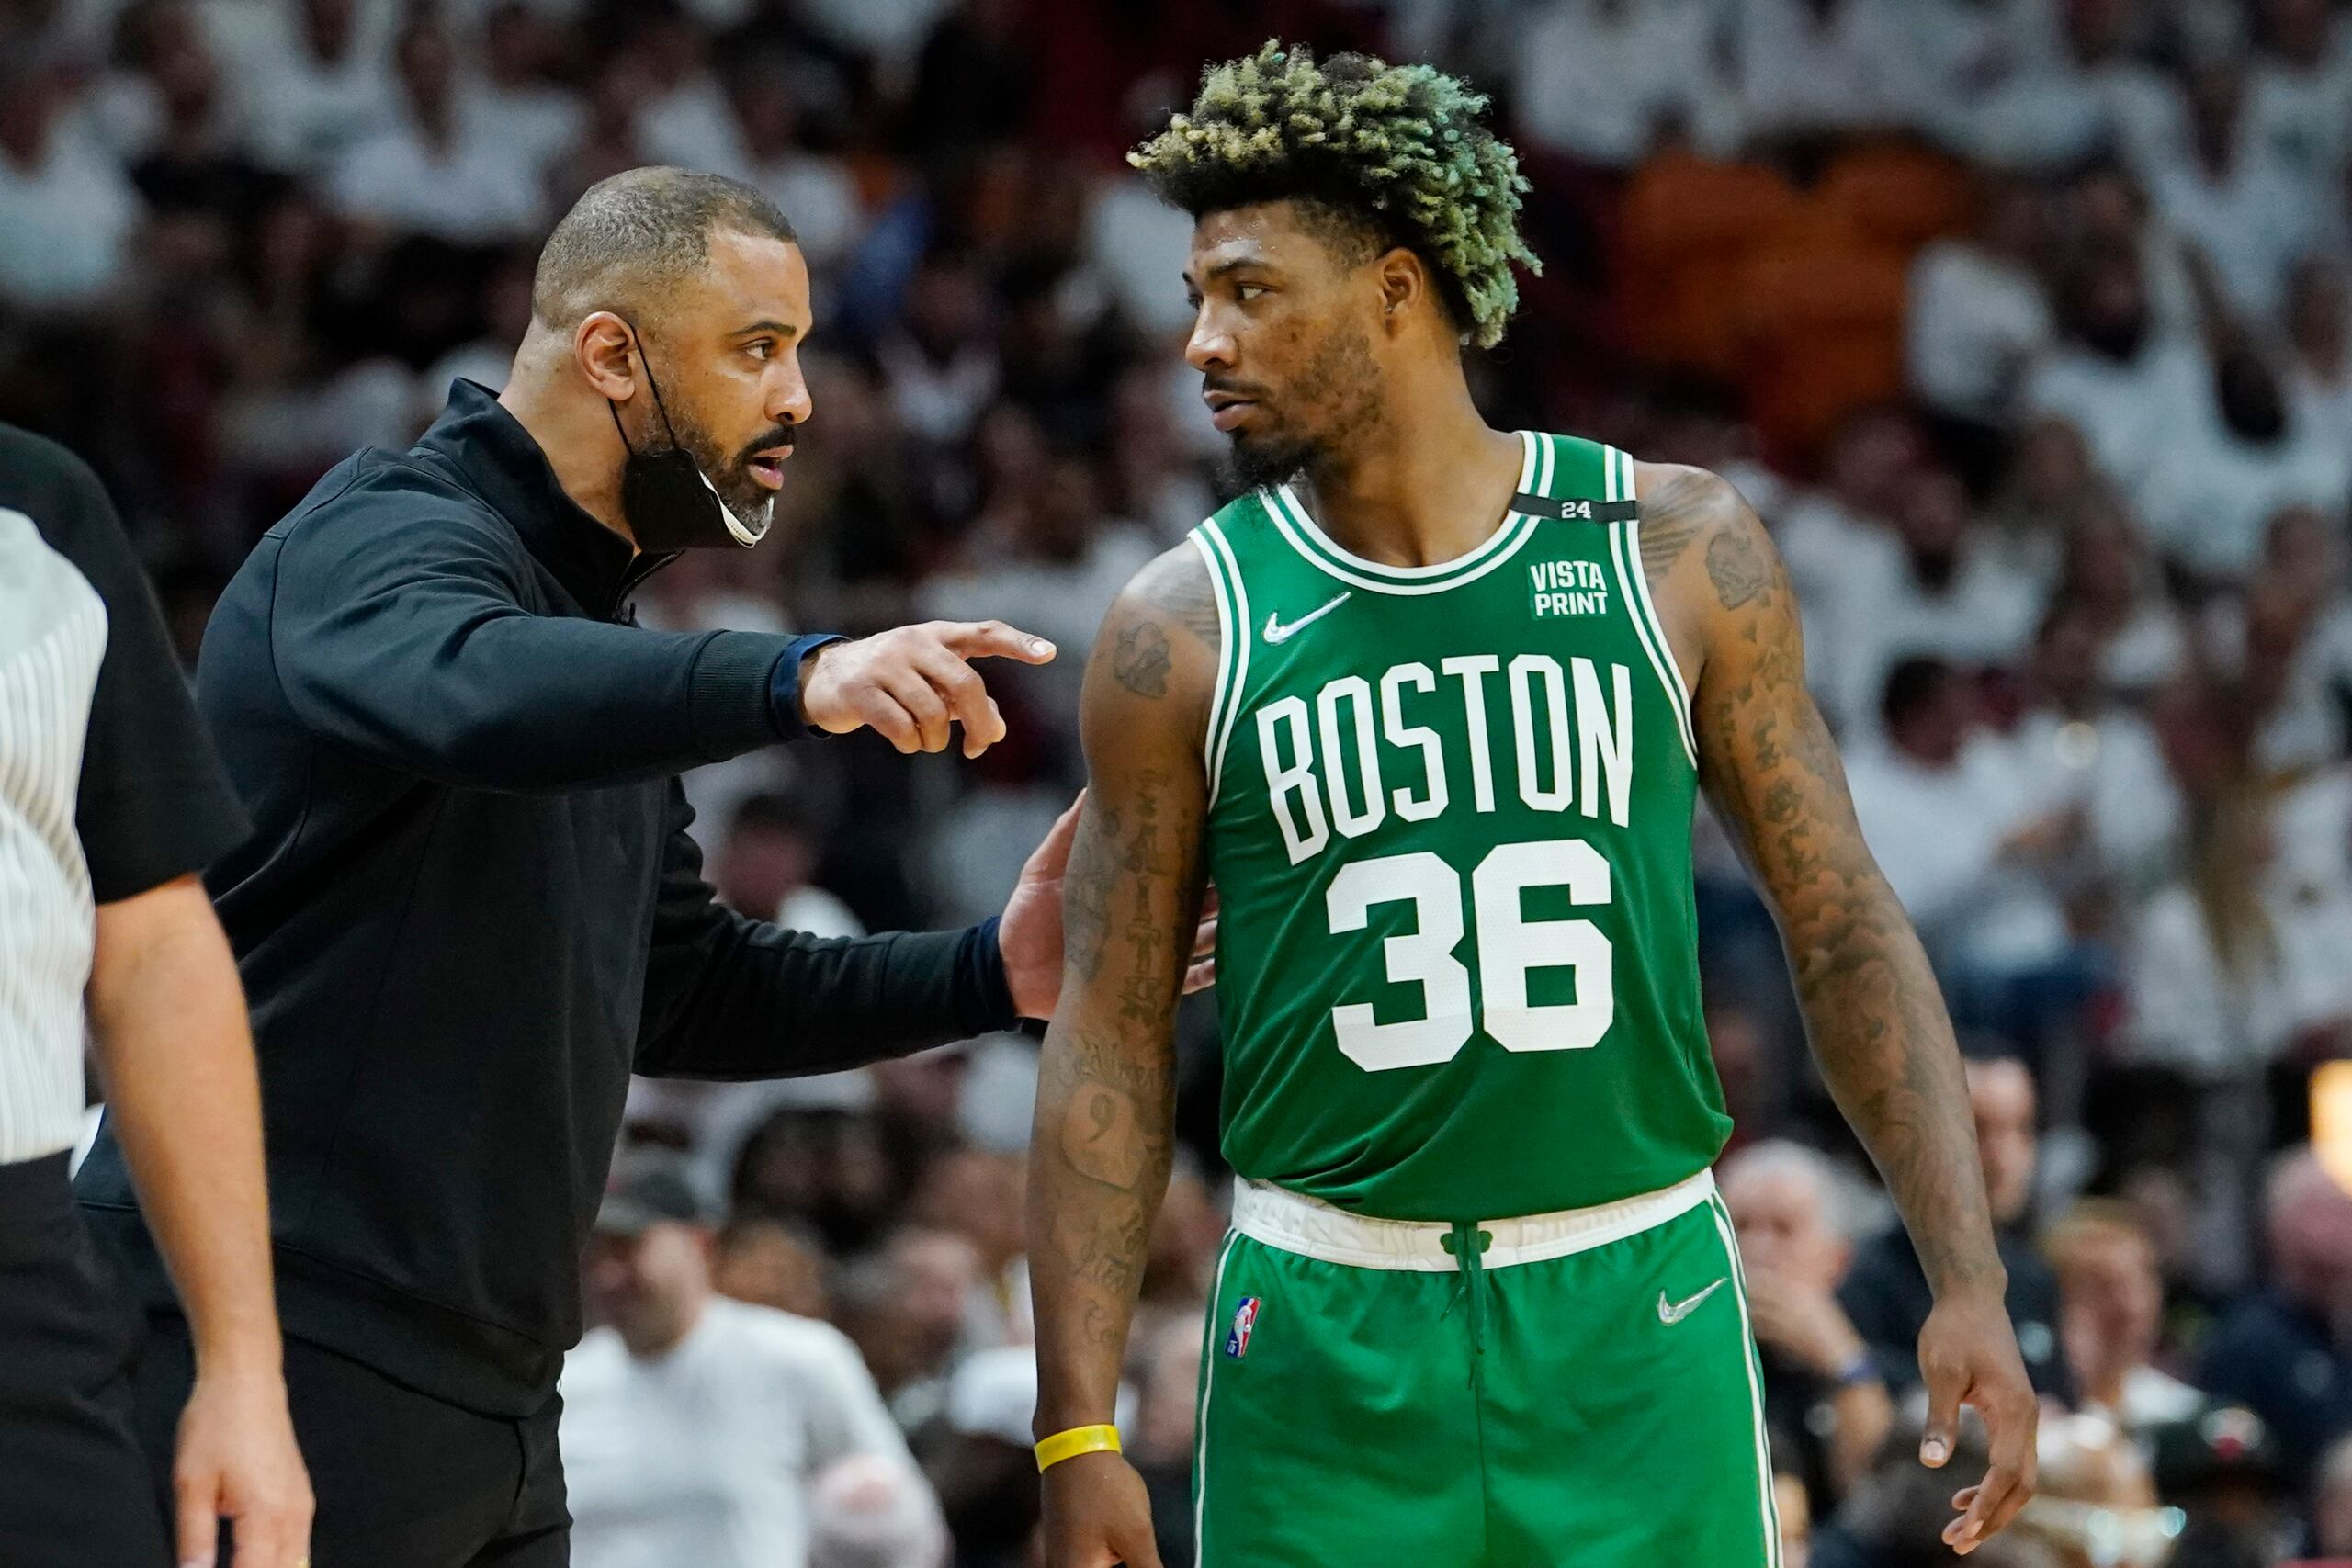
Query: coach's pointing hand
(912,684)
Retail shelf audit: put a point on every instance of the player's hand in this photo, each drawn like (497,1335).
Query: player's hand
(910,685)
(1030,934)
(237,1461)
(1097,1513)
(1968,1355)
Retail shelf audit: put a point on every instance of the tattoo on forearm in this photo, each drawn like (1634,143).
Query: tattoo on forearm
(1106,1098)
(1870,1000)
(1141,659)
(1086,891)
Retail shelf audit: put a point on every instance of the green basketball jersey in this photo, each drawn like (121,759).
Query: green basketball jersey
(1449,823)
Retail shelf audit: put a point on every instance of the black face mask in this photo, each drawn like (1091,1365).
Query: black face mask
(667,499)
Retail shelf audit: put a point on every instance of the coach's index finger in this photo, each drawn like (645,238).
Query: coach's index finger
(994,639)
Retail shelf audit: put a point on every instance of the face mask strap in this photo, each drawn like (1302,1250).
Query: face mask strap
(637,341)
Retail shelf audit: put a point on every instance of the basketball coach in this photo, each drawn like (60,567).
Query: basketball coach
(469,908)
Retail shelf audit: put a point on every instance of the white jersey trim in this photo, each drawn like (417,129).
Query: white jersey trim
(1329,557)
(1626,553)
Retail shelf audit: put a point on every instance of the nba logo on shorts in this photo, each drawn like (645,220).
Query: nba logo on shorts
(1245,1318)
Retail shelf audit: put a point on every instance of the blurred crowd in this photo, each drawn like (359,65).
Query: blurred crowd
(2026,325)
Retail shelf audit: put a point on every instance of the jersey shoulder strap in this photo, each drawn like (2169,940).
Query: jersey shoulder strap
(1580,481)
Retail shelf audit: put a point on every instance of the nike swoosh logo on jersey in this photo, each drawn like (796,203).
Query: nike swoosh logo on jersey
(1684,1307)
(1277,632)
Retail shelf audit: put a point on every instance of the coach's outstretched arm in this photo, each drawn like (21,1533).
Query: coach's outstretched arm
(406,643)
(1871,1008)
(1106,1096)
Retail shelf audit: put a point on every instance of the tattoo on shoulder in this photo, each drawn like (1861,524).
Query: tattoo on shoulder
(1141,659)
(1685,505)
(1737,569)
(1179,585)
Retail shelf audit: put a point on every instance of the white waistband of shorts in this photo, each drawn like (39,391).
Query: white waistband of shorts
(1312,1228)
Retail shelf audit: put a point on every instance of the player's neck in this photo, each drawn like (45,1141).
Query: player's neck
(1428,483)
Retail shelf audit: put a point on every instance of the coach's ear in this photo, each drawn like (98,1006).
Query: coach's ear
(603,346)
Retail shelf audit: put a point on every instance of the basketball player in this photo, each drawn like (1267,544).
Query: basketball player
(1432,706)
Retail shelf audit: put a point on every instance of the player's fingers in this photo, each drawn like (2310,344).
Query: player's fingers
(993,639)
(1200,976)
(1205,939)
(1138,1551)
(195,1509)
(1937,1437)
(967,696)
(914,694)
(1976,1522)
(2008,1483)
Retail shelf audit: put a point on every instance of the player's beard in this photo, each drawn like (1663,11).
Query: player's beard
(1331,403)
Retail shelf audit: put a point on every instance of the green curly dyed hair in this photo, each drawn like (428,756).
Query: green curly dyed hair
(1395,152)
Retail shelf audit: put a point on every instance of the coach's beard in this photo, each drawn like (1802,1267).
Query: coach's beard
(667,498)
(670,504)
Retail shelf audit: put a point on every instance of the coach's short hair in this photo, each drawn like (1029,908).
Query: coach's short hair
(633,237)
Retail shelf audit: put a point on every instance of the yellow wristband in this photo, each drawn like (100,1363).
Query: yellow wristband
(1076,1441)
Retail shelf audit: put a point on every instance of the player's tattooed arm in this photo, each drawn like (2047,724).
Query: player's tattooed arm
(1104,1138)
(1870,1003)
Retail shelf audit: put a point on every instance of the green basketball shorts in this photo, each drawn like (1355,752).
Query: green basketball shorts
(1577,1389)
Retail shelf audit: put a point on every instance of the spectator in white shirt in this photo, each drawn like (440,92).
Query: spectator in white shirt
(2239,957)
(312,75)
(1960,836)
(2232,198)
(939,362)
(67,212)
(813,189)
(694,1426)
(2109,578)
(685,118)
(1976,319)
(437,171)
(2138,108)
(2298,105)
(1941,61)
(1838,536)
(2235,465)
(2286,644)
(2076,746)
(512,103)
(2319,338)
(1599,79)
(1806,65)
(1948,595)
(2129,386)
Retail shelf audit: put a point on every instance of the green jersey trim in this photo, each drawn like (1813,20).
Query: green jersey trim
(1233,647)
(1328,556)
(1626,553)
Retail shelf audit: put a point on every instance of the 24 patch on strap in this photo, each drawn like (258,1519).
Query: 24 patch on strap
(1574,509)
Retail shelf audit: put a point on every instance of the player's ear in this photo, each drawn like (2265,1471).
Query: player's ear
(1403,284)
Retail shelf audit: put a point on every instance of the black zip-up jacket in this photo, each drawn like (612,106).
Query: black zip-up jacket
(469,907)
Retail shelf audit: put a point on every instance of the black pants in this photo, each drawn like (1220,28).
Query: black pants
(403,1479)
(73,1486)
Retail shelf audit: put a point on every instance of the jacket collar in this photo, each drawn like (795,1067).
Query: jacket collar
(499,462)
